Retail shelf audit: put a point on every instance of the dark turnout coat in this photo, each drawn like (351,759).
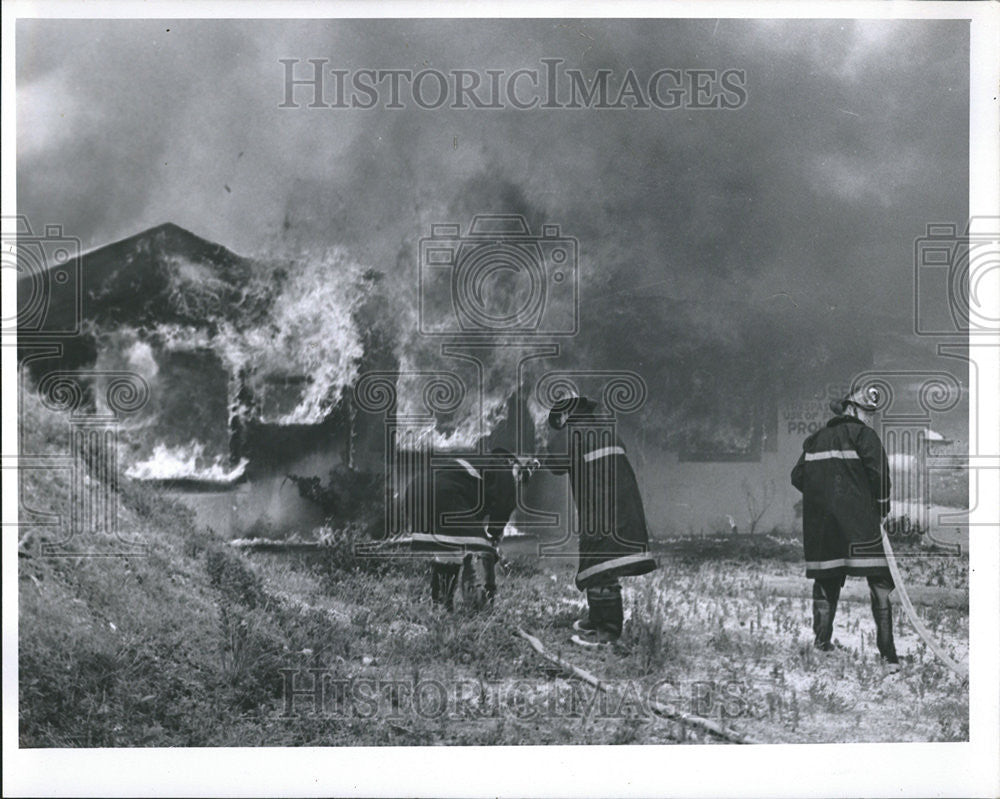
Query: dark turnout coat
(614,539)
(843,474)
(468,510)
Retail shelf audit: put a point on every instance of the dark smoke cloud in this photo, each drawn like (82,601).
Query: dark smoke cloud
(854,135)
(710,227)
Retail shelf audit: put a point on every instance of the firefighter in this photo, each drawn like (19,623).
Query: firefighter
(470,508)
(614,541)
(843,474)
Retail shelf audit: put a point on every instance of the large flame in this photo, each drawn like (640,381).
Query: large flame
(309,331)
(186,462)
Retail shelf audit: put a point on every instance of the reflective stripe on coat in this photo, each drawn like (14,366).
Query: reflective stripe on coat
(614,539)
(458,515)
(843,474)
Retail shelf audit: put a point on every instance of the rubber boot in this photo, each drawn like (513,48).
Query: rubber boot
(880,587)
(826,595)
(444,580)
(606,616)
(479,580)
(490,578)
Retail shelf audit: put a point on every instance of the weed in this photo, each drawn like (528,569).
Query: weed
(645,636)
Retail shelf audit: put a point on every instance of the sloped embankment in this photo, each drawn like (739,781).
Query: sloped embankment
(175,647)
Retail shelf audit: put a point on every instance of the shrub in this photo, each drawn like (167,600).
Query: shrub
(234,580)
(349,496)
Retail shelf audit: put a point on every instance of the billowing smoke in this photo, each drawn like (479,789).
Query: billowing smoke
(723,255)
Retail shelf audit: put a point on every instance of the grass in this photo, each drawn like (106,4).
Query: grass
(197,644)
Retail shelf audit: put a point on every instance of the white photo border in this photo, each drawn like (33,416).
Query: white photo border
(946,769)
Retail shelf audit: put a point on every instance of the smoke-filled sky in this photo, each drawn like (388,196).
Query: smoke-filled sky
(853,136)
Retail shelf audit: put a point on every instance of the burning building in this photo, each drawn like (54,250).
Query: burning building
(247,380)
(252,367)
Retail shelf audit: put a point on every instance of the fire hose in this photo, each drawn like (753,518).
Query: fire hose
(687,719)
(911,612)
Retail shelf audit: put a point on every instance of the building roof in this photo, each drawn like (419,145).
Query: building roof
(163,274)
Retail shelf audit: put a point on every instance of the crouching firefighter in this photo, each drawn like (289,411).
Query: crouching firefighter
(469,509)
(614,541)
(843,474)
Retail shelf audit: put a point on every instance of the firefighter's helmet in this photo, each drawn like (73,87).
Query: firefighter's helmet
(570,408)
(868,398)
